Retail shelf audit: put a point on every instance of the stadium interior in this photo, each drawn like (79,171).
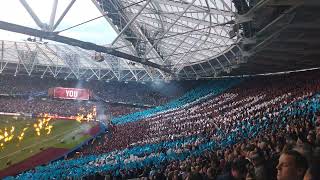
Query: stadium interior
(185,90)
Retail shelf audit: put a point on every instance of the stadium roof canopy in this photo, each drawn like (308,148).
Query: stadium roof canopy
(171,34)
(160,39)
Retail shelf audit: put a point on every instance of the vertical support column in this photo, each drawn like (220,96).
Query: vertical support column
(63,14)
(53,14)
(32,14)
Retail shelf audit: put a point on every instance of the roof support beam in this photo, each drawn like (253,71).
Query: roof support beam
(63,14)
(212,67)
(167,30)
(130,22)
(3,66)
(225,5)
(45,55)
(44,72)
(17,69)
(114,73)
(105,74)
(2,50)
(198,46)
(188,19)
(32,14)
(144,76)
(180,36)
(220,63)
(142,34)
(203,69)
(227,58)
(248,16)
(66,63)
(186,37)
(74,42)
(89,60)
(195,8)
(186,28)
(53,14)
(21,60)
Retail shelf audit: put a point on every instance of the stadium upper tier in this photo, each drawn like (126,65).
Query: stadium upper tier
(149,94)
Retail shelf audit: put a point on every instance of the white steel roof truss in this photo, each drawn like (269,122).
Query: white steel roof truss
(186,37)
(76,74)
(168,29)
(21,60)
(88,60)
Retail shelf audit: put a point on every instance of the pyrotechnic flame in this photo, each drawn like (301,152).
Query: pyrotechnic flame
(12,129)
(48,128)
(21,136)
(88,117)
(40,124)
(8,134)
(80,117)
(38,131)
(43,124)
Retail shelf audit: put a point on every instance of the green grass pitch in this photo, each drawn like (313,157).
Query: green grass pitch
(64,134)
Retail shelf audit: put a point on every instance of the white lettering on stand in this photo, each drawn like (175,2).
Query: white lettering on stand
(72,94)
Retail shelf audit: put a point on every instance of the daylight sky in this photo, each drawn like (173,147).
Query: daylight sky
(98,31)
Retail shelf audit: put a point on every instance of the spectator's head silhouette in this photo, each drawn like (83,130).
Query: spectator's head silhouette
(291,166)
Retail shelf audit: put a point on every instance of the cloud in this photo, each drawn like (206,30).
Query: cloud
(98,31)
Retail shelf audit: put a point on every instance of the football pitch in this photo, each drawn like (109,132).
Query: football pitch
(22,137)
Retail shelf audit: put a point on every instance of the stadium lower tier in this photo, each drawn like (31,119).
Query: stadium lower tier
(124,163)
(254,119)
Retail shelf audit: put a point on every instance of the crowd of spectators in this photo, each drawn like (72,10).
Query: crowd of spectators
(208,89)
(227,112)
(16,92)
(113,91)
(38,105)
(262,128)
(117,110)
